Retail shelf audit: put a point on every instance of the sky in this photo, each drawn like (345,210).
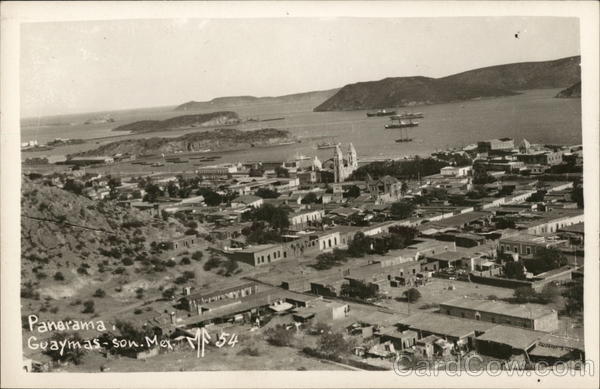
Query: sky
(76,67)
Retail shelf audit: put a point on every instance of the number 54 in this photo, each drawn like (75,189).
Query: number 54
(223,339)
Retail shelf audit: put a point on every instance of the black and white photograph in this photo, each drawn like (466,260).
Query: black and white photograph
(390,194)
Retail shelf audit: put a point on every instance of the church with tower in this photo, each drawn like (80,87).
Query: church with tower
(344,167)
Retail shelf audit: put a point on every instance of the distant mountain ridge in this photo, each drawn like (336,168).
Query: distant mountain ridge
(574,91)
(232,101)
(220,118)
(493,81)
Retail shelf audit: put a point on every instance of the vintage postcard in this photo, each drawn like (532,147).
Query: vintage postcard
(344,194)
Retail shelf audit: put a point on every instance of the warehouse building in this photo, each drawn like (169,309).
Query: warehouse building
(530,316)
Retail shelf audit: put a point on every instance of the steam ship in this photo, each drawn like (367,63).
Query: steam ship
(402,124)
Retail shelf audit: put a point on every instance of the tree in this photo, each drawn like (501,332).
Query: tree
(99,293)
(524,294)
(73,186)
(267,193)
(231,266)
(259,233)
(279,336)
(481,176)
(169,293)
(282,172)
(153,192)
(545,259)
(438,193)
(211,198)
(380,245)
(58,276)
(88,306)
(277,217)
(333,344)
(412,295)
(185,261)
(359,245)
(310,198)
(328,260)
(172,189)
(514,270)
(537,196)
(402,209)
(256,172)
(197,256)
(72,354)
(401,236)
(353,191)
(577,195)
(114,182)
(184,192)
(212,263)
(403,188)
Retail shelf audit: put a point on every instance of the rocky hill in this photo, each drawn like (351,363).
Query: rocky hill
(559,73)
(494,81)
(216,140)
(220,118)
(574,91)
(83,240)
(405,91)
(233,101)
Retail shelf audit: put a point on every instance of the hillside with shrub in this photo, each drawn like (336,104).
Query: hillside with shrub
(70,244)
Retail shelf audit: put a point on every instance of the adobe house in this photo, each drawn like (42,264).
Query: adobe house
(184,242)
(193,301)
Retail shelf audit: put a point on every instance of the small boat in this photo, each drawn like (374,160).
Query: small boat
(381,112)
(403,124)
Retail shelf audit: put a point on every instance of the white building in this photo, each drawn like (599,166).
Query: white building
(456,171)
(217,170)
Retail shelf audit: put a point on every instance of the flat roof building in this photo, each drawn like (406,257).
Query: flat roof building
(530,316)
(527,245)
(258,255)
